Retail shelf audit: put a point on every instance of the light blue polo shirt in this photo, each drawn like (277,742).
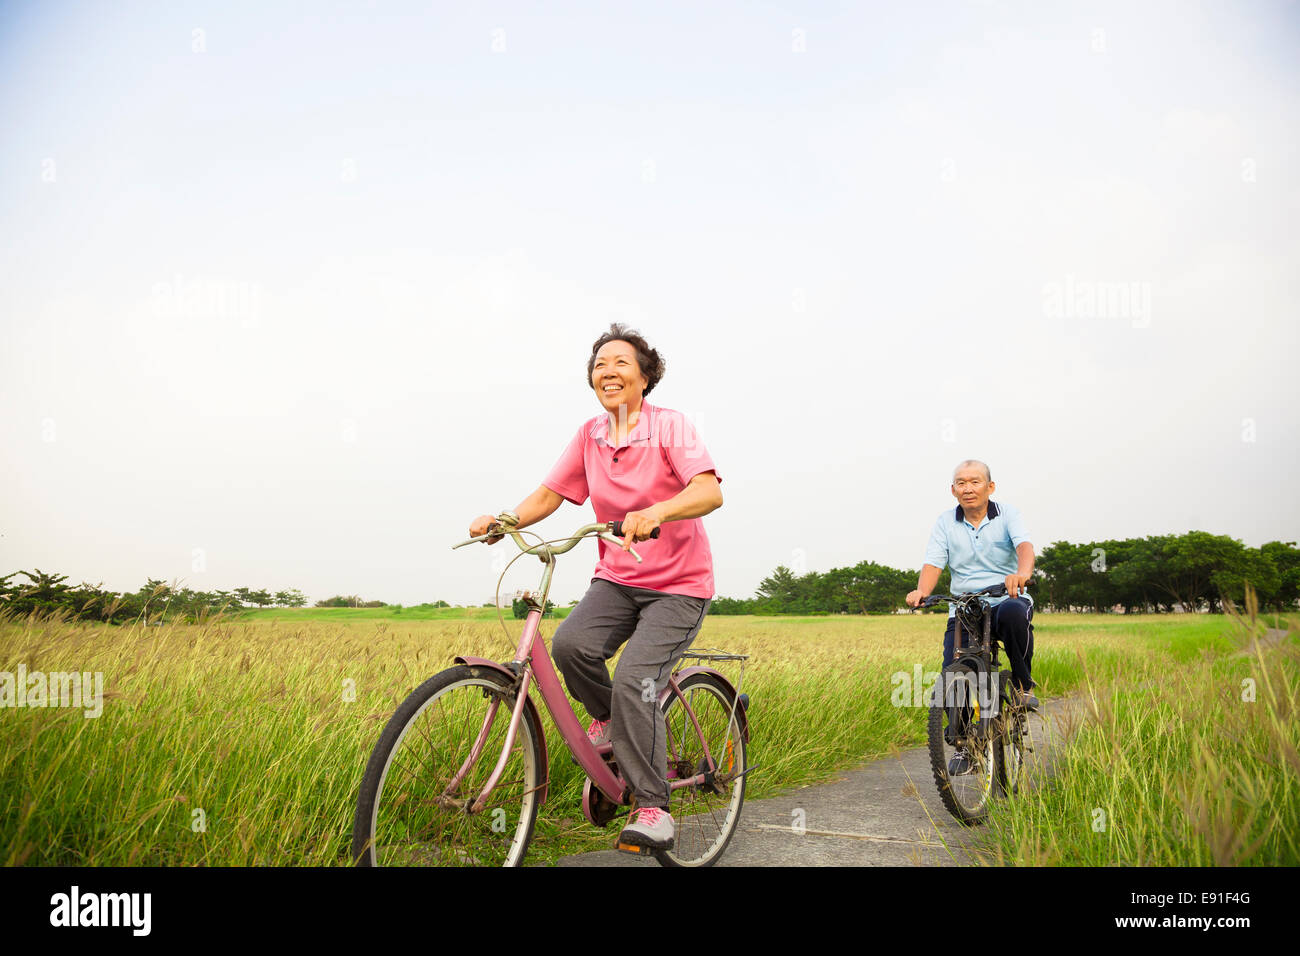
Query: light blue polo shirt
(978,557)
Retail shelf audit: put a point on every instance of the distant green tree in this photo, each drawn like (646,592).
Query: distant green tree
(520,608)
(1066,574)
(290,598)
(1192,560)
(1285,558)
(724,605)
(43,594)
(779,592)
(1251,565)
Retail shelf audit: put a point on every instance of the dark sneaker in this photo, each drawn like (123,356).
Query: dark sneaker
(1028,701)
(650,827)
(960,763)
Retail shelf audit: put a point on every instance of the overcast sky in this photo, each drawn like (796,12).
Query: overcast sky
(292,292)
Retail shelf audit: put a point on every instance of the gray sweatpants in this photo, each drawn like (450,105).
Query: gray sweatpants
(657,628)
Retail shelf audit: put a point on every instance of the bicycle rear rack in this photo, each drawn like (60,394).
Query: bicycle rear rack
(714,654)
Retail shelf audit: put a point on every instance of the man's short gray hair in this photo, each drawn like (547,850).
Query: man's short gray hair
(988,475)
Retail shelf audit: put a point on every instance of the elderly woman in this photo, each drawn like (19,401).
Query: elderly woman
(645,466)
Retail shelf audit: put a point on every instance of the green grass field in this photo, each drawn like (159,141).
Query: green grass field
(326,615)
(246,727)
(1190,758)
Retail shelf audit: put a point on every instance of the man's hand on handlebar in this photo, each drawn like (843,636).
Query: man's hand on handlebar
(914,598)
(1016,583)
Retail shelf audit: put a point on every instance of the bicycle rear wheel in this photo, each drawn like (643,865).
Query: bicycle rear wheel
(962,760)
(414,808)
(705,815)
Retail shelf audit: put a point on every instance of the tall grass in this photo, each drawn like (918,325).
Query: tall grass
(1189,761)
(249,723)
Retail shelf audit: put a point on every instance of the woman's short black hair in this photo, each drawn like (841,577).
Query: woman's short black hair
(650,361)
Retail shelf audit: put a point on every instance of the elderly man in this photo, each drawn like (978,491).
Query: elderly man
(984,542)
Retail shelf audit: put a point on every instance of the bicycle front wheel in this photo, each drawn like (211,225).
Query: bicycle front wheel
(416,806)
(705,814)
(962,761)
(1010,755)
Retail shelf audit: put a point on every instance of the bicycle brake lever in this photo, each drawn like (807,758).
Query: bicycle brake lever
(495,530)
(609,538)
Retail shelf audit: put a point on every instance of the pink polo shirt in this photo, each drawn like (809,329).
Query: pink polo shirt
(662,454)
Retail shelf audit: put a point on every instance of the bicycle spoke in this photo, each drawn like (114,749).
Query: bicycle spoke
(705,819)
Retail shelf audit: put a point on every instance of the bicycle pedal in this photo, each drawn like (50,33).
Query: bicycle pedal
(635,849)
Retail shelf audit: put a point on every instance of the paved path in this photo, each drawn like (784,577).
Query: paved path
(1271,638)
(885,813)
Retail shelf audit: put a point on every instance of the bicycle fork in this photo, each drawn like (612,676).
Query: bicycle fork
(478,803)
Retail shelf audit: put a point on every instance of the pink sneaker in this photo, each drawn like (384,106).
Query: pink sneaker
(650,827)
(598,732)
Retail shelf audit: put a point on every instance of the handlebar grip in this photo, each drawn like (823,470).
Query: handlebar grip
(617,530)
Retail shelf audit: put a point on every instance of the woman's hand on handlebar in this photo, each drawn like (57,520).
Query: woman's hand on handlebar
(639,525)
(482,525)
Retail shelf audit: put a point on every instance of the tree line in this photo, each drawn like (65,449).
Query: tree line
(1160,573)
(865,588)
(1191,572)
(45,593)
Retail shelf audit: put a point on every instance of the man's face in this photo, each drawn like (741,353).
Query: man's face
(972,489)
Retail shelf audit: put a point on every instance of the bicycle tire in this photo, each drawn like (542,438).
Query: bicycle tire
(405,813)
(966,796)
(1010,754)
(705,817)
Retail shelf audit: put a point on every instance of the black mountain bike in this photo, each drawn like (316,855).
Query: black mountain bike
(978,727)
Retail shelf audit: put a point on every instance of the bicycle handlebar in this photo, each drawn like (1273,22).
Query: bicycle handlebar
(616,529)
(605,530)
(993,590)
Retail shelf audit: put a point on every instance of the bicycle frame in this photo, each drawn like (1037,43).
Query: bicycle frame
(532,665)
(981,653)
(986,648)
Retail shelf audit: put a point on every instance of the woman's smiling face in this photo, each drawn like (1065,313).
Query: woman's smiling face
(616,376)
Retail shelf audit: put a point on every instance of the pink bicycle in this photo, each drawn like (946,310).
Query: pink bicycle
(461,768)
